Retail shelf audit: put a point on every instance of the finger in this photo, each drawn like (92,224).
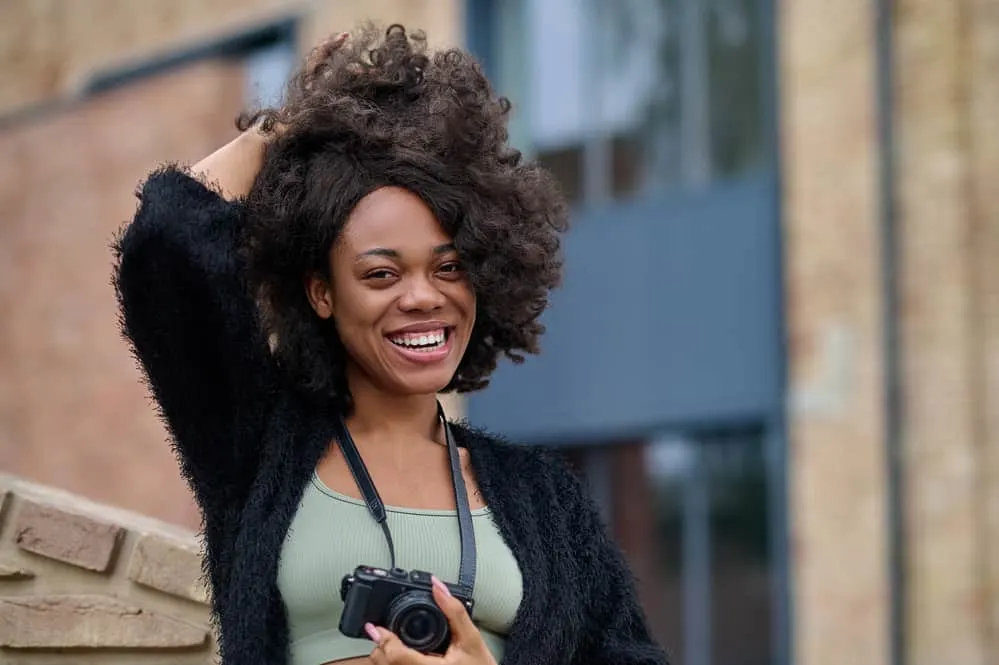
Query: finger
(325,49)
(462,628)
(340,39)
(321,53)
(378,656)
(390,648)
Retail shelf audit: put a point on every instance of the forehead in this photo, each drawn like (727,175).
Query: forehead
(394,218)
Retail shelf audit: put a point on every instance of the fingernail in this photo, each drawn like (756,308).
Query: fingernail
(372,632)
(440,585)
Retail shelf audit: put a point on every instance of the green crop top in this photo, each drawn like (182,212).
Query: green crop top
(333,533)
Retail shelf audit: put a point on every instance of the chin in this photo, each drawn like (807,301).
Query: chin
(424,385)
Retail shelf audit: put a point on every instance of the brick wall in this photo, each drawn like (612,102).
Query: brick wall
(73,413)
(837,473)
(52,47)
(946,100)
(84,583)
(982,49)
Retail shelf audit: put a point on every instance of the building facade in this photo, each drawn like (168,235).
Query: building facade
(776,355)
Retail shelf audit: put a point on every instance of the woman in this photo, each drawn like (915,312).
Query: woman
(306,292)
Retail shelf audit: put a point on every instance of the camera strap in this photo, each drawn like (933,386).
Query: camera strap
(466,530)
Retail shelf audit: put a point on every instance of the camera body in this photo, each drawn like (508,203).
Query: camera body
(399,600)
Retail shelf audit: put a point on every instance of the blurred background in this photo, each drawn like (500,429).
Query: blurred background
(776,355)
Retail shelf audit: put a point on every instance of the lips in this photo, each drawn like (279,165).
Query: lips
(424,344)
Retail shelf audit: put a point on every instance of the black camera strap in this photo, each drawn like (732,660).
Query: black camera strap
(466,530)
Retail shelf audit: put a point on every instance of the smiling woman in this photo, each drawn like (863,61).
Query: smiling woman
(401,304)
(298,304)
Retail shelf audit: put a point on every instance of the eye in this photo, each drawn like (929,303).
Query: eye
(379,274)
(450,268)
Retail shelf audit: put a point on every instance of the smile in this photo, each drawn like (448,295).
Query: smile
(423,347)
(423,341)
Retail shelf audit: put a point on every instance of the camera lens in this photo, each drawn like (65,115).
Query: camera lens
(418,622)
(418,626)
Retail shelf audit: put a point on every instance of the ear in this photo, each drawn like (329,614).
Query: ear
(320,295)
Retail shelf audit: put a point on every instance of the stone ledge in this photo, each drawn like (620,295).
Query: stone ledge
(50,496)
(132,586)
(89,621)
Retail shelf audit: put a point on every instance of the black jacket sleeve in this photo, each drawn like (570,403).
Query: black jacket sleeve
(616,631)
(193,326)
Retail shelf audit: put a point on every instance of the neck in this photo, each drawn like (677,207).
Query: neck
(381,416)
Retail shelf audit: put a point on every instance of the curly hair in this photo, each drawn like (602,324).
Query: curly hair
(377,111)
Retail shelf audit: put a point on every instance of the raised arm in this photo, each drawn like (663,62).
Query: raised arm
(186,309)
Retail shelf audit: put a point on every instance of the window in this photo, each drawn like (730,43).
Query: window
(267,71)
(657,118)
(691,515)
(633,97)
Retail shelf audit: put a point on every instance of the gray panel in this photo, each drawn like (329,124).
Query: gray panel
(668,316)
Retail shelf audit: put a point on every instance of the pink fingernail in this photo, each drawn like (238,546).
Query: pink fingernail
(440,585)
(372,632)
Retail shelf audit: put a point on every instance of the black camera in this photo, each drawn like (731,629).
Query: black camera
(400,601)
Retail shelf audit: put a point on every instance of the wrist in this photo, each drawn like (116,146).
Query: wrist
(255,138)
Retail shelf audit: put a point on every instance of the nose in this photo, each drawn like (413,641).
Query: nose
(421,295)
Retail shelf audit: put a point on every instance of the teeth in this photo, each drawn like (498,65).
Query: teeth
(425,341)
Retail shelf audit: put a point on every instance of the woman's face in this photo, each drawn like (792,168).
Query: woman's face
(400,300)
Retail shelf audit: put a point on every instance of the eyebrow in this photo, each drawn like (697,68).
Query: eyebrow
(393,254)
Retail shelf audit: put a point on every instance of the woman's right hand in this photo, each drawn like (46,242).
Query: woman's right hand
(234,167)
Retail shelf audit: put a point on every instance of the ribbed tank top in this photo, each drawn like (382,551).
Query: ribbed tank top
(332,533)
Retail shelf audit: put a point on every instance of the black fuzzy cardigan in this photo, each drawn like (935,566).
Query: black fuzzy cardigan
(247,442)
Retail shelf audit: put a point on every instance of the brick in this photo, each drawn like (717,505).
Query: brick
(10,572)
(169,567)
(73,539)
(90,621)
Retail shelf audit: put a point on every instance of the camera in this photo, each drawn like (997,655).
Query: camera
(400,601)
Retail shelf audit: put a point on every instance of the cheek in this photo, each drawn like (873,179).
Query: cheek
(356,315)
(359,338)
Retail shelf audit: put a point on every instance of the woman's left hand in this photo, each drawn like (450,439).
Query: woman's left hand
(467,646)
